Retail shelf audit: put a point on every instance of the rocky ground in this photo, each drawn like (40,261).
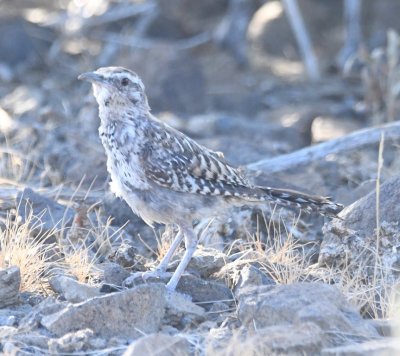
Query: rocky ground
(262,282)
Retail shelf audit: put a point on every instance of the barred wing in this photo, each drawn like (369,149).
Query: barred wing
(175,161)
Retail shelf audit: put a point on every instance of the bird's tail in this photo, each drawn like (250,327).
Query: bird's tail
(291,198)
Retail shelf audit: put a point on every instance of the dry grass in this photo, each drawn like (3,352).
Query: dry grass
(164,242)
(285,259)
(376,295)
(14,168)
(36,258)
(17,246)
(279,255)
(367,282)
(86,244)
(81,264)
(31,255)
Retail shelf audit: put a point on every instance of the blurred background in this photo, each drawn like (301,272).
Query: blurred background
(252,78)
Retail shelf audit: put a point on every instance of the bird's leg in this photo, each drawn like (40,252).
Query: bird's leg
(162,267)
(160,271)
(190,245)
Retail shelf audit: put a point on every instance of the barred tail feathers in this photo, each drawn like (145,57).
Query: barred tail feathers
(291,198)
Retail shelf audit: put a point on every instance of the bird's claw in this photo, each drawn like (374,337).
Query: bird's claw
(140,277)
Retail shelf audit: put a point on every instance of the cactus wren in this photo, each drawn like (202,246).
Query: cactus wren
(165,176)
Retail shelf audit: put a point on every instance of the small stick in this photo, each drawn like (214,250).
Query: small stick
(303,39)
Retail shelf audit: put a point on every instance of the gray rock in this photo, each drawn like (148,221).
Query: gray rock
(10,281)
(114,274)
(72,290)
(72,342)
(206,261)
(159,344)
(9,348)
(8,320)
(98,343)
(23,342)
(46,213)
(382,347)
(386,327)
(7,331)
(219,311)
(361,215)
(136,279)
(219,339)
(126,256)
(126,314)
(181,311)
(297,303)
(352,236)
(219,307)
(32,320)
(300,339)
(201,290)
(12,316)
(251,277)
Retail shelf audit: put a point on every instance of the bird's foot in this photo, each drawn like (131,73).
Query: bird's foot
(141,277)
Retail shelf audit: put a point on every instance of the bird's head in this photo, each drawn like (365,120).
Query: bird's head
(117,86)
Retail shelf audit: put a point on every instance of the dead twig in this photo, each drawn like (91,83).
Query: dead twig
(135,42)
(340,146)
(118,13)
(302,37)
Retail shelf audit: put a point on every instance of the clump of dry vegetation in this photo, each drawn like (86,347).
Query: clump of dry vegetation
(86,243)
(38,259)
(381,79)
(32,256)
(80,264)
(40,254)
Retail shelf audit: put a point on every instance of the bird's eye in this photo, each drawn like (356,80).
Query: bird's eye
(125,81)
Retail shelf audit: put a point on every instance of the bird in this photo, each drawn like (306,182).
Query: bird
(168,178)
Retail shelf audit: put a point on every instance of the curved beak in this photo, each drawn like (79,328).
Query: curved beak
(92,77)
